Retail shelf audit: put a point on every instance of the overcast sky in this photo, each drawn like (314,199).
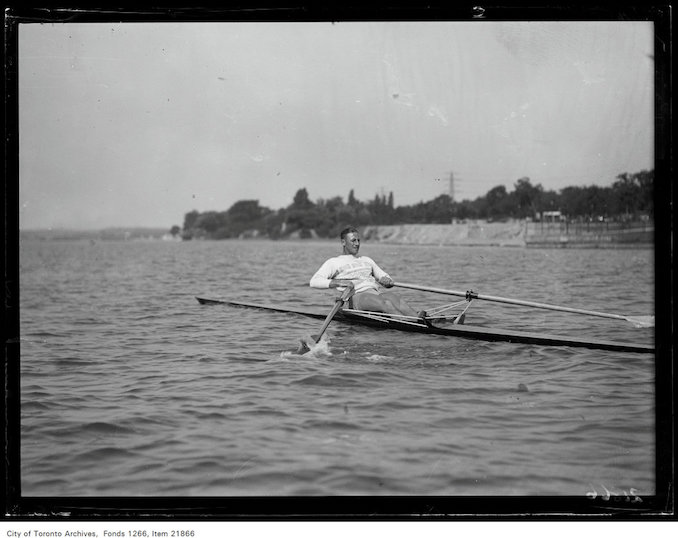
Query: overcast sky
(136,124)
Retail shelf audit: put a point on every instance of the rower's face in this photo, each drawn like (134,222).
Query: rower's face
(351,243)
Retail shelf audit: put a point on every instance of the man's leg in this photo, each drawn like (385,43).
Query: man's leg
(399,303)
(387,302)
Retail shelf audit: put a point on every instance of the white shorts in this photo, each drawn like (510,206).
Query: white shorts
(368,290)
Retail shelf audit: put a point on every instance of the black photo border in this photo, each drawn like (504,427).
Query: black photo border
(658,507)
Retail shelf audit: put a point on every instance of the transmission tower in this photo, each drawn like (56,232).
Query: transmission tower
(452,185)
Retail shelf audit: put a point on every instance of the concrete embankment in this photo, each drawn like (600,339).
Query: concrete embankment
(590,235)
(517,233)
(476,233)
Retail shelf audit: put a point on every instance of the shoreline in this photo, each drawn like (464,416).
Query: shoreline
(509,234)
(516,234)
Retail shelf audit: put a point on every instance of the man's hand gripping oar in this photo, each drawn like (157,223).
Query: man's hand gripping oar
(339,303)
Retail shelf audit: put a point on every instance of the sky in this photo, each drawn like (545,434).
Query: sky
(136,124)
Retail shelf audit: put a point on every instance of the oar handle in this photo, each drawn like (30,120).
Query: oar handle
(346,294)
(519,302)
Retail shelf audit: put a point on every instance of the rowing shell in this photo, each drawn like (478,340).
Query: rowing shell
(348,315)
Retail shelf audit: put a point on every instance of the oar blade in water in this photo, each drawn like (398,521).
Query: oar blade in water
(303,347)
(338,304)
(313,345)
(641,322)
(305,344)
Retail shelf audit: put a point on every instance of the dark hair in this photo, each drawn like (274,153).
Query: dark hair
(346,231)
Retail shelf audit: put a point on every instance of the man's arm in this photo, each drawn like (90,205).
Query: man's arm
(380,275)
(323,278)
(386,281)
(341,283)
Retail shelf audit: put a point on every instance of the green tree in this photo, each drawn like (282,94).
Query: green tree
(246,211)
(272,225)
(242,216)
(630,194)
(626,192)
(550,201)
(466,209)
(210,221)
(497,204)
(439,210)
(528,198)
(301,200)
(573,201)
(190,219)
(302,216)
(596,201)
(645,181)
(633,193)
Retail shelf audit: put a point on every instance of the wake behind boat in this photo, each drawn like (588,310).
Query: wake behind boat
(441,322)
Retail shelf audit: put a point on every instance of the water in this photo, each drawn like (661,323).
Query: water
(130,387)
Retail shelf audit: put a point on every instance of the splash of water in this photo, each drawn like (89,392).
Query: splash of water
(315,349)
(642,322)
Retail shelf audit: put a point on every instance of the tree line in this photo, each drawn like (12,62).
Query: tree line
(628,198)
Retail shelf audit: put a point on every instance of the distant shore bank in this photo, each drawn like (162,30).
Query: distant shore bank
(476,233)
(105,234)
(514,233)
(518,233)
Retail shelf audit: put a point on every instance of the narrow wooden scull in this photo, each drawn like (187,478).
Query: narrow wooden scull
(348,315)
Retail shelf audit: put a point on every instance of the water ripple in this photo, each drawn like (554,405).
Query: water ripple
(130,387)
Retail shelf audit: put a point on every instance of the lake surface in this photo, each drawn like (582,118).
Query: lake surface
(130,387)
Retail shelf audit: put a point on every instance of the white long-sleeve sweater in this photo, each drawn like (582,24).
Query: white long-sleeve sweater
(362,270)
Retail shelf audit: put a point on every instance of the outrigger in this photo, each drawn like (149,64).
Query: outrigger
(447,320)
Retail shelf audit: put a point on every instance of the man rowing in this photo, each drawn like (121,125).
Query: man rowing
(366,278)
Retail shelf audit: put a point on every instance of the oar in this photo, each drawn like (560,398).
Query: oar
(337,306)
(638,321)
